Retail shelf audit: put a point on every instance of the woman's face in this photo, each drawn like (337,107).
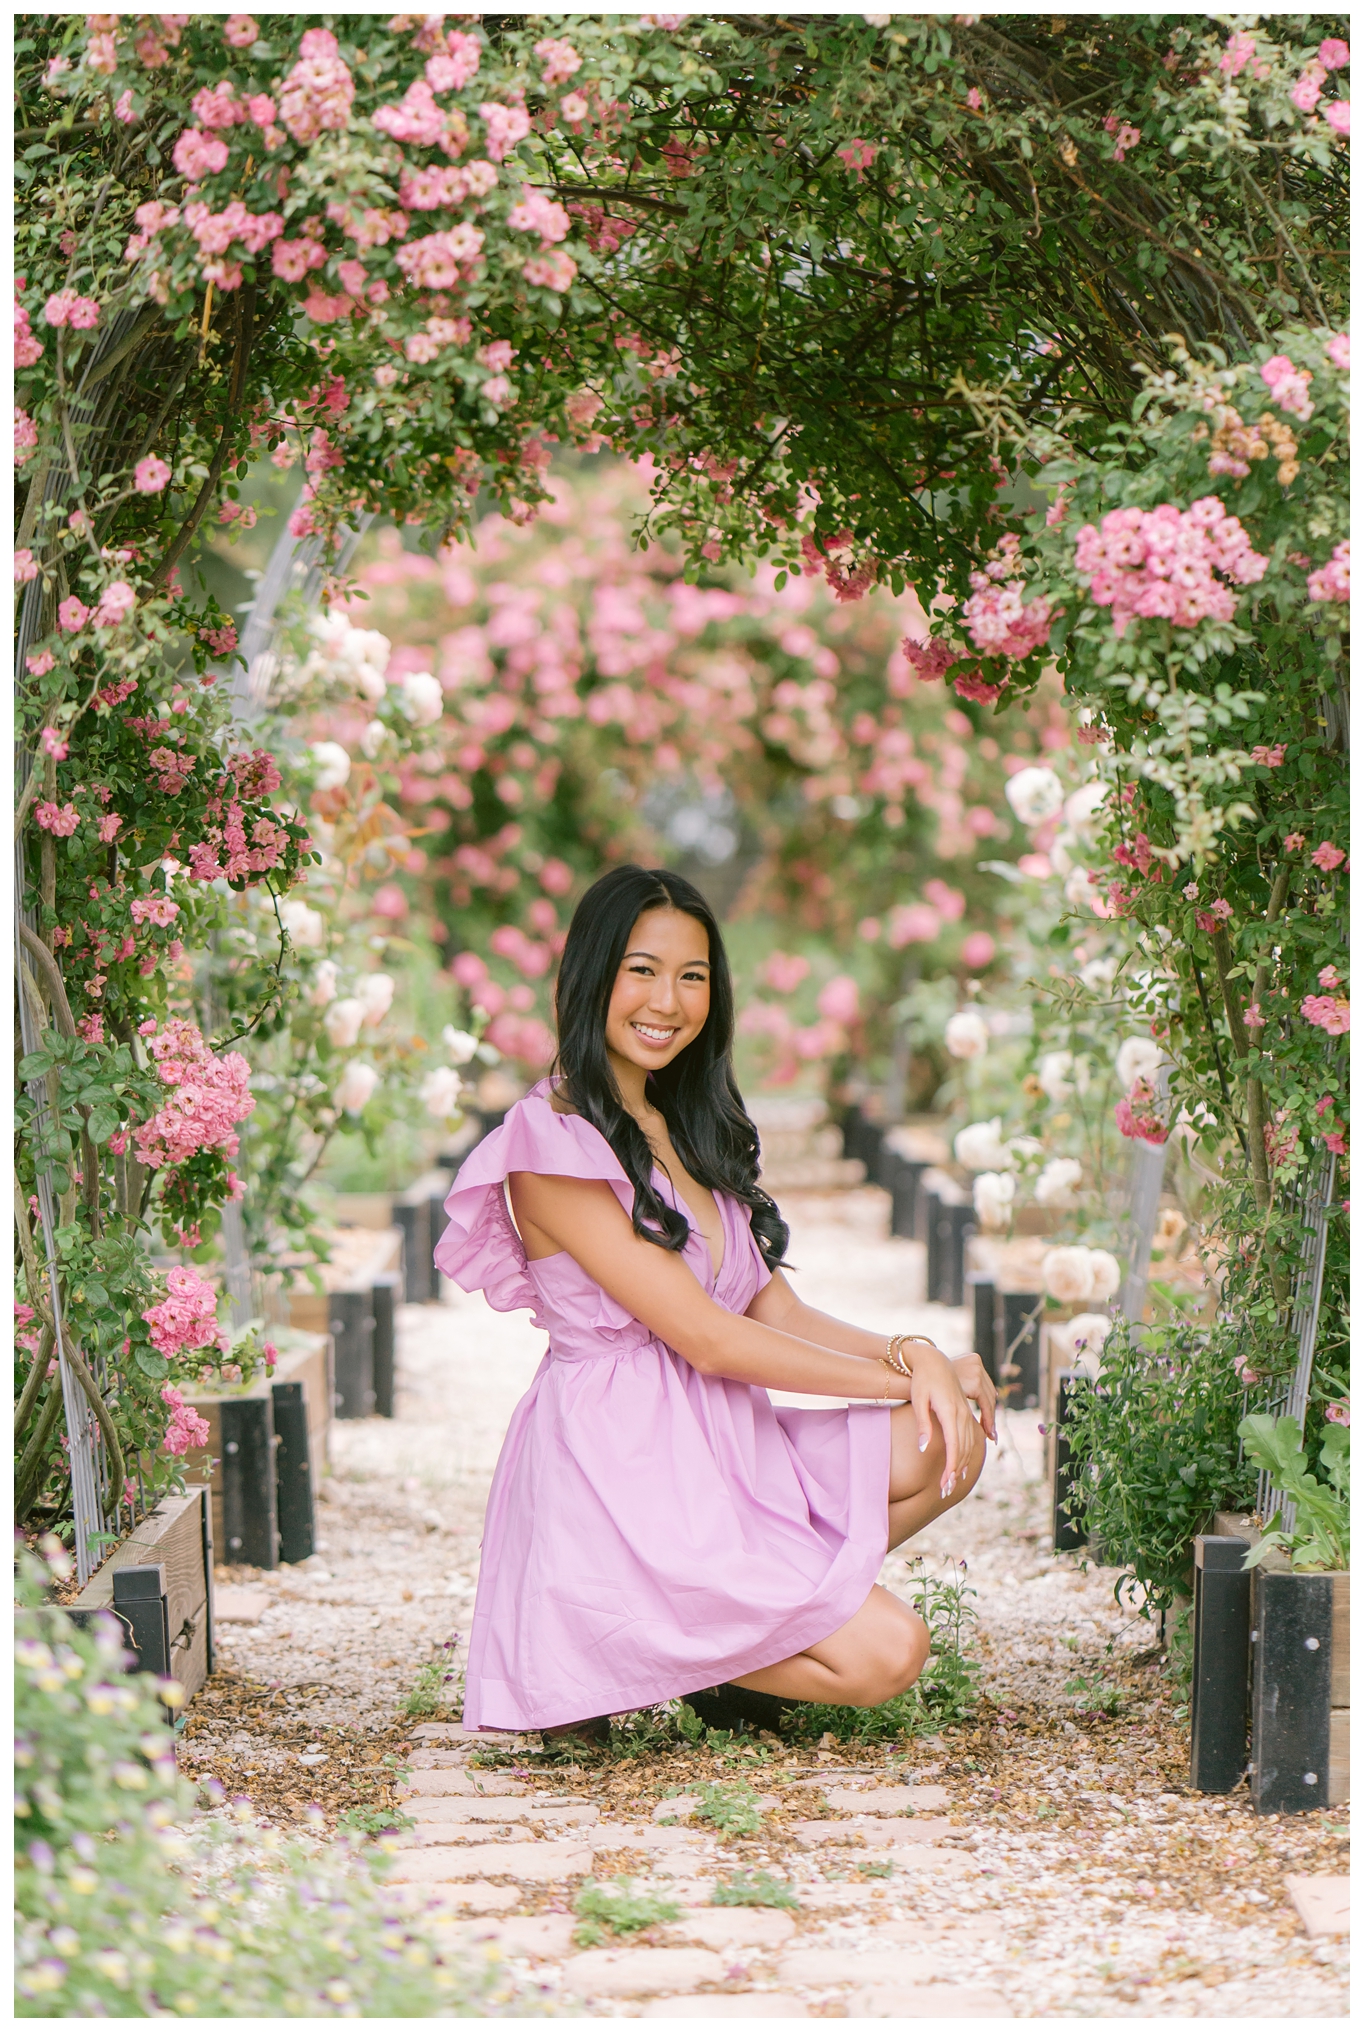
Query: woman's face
(662,994)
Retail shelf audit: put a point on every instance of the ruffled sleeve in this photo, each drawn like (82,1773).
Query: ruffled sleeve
(480,1249)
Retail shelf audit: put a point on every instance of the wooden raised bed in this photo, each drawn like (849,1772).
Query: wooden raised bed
(170,1625)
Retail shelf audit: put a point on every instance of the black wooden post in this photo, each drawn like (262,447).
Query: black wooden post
(293,1473)
(1290,1731)
(983,1300)
(437,1222)
(1068,1530)
(1022,1346)
(250,1512)
(906,1198)
(1219,1712)
(413,1216)
(140,1600)
(385,1307)
(352,1330)
(206,1542)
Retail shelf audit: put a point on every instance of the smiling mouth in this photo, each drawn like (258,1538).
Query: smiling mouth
(657,1038)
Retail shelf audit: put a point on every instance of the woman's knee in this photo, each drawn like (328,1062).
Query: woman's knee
(892,1662)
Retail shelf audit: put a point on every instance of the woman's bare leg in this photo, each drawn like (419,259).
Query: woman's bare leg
(876,1655)
(885,1646)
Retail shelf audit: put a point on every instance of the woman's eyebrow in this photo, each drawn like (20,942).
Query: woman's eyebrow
(658,962)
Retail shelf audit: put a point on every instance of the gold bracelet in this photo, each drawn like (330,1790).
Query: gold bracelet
(897,1373)
(894,1357)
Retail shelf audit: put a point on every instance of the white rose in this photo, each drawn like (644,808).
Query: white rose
(967,1035)
(1078,888)
(367,654)
(374,740)
(376,996)
(1054,1075)
(460,1045)
(1066,1275)
(980,1147)
(356,1086)
(331,765)
(1083,806)
(440,1092)
(1098,974)
(342,1022)
(1059,856)
(1083,1338)
(421,697)
(1105,1276)
(329,632)
(1138,1058)
(992,1195)
(1034,795)
(1021,1150)
(323,989)
(1056,1182)
(304,925)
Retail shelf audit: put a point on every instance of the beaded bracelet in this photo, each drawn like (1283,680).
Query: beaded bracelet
(894,1355)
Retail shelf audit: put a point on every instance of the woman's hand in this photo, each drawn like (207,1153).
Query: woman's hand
(937,1392)
(974,1378)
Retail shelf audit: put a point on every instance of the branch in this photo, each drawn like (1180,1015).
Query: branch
(51,978)
(34,1382)
(28,1476)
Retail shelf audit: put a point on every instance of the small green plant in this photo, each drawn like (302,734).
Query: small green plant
(731,1807)
(756,1887)
(646,1733)
(876,1869)
(1320,1537)
(1096,1695)
(1153,1444)
(375,1820)
(428,1695)
(616,1910)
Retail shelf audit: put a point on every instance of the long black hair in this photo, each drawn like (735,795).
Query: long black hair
(696,1094)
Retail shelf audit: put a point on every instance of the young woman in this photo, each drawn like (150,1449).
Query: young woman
(655,1523)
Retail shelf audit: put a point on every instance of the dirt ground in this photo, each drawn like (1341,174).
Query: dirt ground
(1046,1860)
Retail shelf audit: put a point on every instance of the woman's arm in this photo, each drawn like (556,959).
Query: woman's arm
(777,1305)
(584,1217)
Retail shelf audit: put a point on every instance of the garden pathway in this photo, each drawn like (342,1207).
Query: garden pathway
(1044,1860)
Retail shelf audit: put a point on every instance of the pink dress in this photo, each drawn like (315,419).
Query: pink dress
(650,1529)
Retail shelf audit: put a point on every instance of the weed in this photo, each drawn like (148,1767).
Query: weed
(375,1820)
(643,1734)
(733,1808)
(618,1909)
(876,1869)
(755,1888)
(1096,1695)
(428,1694)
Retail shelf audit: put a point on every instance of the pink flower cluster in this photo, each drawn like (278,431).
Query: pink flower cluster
(416,118)
(537,213)
(186,1429)
(66,308)
(832,556)
(25,436)
(550,271)
(1136,1115)
(210,1096)
(1330,1013)
(451,69)
(1159,563)
(187,1317)
(1288,385)
(560,59)
(1332,580)
(997,618)
(1124,137)
(1328,856)
(60,819)
(217,231)
(433,262)
(319,90)
(27,349)
(506,126)
(197,155)
(857,157)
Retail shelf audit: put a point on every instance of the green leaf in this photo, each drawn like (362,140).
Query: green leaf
(153,1365)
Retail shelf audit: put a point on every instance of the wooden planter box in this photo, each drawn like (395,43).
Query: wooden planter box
(159,1582)
(359,1255)
(246,1454)
(1271,1676)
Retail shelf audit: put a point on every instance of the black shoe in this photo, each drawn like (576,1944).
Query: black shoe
(735,1707)
(595,1730)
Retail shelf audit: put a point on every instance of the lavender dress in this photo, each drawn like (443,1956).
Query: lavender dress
(649,1529)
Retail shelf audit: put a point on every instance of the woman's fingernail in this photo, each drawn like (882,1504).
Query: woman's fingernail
(923,1442)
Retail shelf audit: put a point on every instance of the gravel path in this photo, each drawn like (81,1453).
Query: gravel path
(1045,1861)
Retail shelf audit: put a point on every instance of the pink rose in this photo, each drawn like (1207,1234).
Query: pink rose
(72,615)
(1327,857)
(150,475)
